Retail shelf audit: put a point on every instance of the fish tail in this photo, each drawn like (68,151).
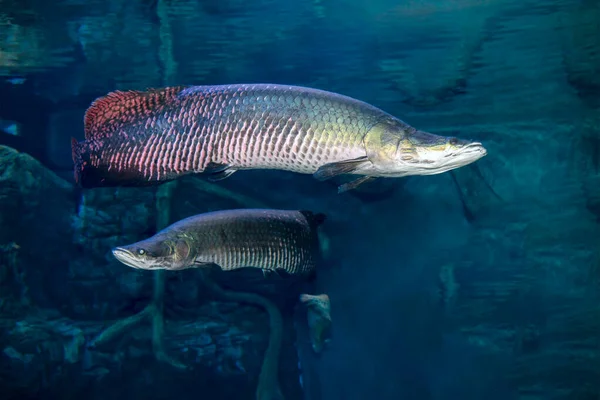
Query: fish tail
(318,243)
(90,175)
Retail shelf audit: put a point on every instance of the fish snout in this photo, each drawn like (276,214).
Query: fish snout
(463,147)
(119,252)
(475,149)
(126,257)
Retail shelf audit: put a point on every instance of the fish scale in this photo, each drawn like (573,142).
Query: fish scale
(278,239)
(140,137)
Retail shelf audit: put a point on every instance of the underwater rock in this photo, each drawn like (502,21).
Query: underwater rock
(105,219)
(533,308)
(61,287)
(45,355)
(36,208)
(27,192)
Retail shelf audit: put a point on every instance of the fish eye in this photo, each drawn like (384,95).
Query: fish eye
(141,252)
(453,141)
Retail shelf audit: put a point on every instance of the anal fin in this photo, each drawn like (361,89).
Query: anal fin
(268,273)
(218,172)
(330,170)
(355,183)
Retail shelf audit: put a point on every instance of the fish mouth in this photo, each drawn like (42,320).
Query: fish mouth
(460,157)
(127,257)
(465,155)
(474,148)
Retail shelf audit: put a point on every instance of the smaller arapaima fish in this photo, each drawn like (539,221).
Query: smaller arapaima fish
(267,239)
(139,138)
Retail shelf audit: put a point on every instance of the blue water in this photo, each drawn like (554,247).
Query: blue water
(483,283)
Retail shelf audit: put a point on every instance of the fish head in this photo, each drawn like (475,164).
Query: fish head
(157,253)
(430,154)
(397,149)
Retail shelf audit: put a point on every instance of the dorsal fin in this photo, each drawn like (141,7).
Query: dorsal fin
(314,219)
(109,112)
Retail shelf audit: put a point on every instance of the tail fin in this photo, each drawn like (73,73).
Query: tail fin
(90,175)
(77,161)
(320,242)
(314,219)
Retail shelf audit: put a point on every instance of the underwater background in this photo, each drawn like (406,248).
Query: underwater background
(479,283)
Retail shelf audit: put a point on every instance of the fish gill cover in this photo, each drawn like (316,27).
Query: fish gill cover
(482,282)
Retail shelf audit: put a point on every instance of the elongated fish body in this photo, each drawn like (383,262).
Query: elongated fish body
(148,137)
(158,135)
(232,239)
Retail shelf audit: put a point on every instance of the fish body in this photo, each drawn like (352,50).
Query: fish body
(319,319)
(147,137)
(261,238)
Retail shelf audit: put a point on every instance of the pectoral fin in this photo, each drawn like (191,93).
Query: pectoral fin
(278,273)
(355,183)
(330,170)
(218,172)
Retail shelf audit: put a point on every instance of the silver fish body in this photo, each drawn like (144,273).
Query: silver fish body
(147,137)
(232,239)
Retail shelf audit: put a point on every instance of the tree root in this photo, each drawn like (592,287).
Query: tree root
(319,321)
(268,381)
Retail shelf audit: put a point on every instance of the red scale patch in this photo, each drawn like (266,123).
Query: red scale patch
(118,108)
